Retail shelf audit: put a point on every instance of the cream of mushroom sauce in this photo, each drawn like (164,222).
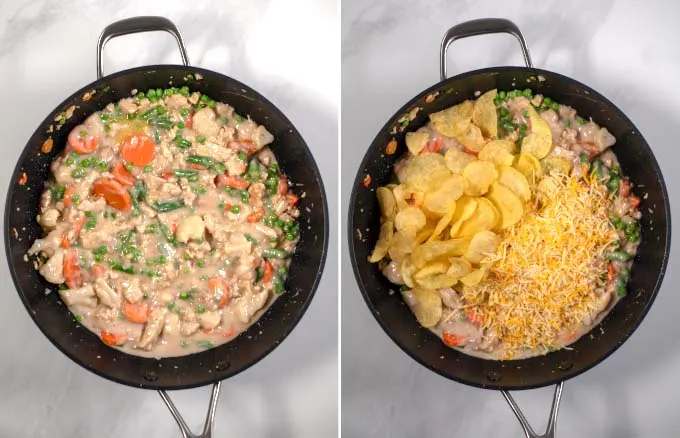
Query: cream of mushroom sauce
(168,225)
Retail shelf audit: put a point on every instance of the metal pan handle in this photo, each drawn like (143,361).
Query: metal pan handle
(481,26)
(210,418)
(528,431)
(137,25)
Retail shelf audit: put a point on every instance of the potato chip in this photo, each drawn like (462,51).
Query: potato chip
(443,223)
(456,160)
(406,270)
(383,244)
(410,220)
(484,114)
(432,268)
(465,207)
(407,197)
(547,186)
(472,138)
(480,175)
(499,152)
(507,203)
(426,171)
(453,121)
(482,244)
(475,277)
(400,245)
(557,165)
(485,217)
(437,281)
(529,166)
(438,202)
(459,267)
(428,307)
(425,233)
(388,204)
(539,141)
(429,251)
(416,141)
(515,181)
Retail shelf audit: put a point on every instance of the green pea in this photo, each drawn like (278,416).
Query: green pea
(204,98)
(180,125)
(184,112)
(184,91)
(580,121)
(212,104)
(200,308)
(241,156)
(584,158)
(555,106)
(502,95)
(235,209)
(527,93)
(78,173)
(547,100)
(69,161)
(129,166)
(201,139)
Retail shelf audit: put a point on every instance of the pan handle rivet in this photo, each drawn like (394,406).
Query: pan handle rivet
(222,365)
(150,376)
(494,376)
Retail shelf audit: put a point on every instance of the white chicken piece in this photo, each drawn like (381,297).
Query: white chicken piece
(172,325)
(248,305)
(106,294)
(209,320)
(82,296)
(190,228)
(49,218)
(153,328)
(53,269)
(205,122)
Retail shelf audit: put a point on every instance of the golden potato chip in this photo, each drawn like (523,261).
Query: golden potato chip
(557,165)
(515,181)
(410,220)
(428,306)
(480,175)
(416,141)
(482,244)
(507,203)
(485,217)
(406,270)
(426,171)
(407,197)
(437,281)
(456,160)
(439,201)
(499,152)
(453,121)
(459,267)
(465,207)
(400,245)
(425,233)
(472,138)
(432,268)
(484,114)
(529,166)
(429,251)
(383,243)
(539,141)
(388,204)
(443,223)
(475,277)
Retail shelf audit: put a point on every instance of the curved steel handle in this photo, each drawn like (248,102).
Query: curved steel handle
(210,418)
(528,431)
(136,25)
(481,26)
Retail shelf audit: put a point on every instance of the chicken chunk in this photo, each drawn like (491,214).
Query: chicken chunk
(82,296)
(209,320)
(106,294)
(153,328)
(248,305)
(205,122)
(53,269)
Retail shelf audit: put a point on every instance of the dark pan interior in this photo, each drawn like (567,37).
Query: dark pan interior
(397,320)
(80,344)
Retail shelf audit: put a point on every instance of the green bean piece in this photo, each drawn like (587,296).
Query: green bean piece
(277,281)
(220,168)
(250,238)
(151,228)
(117,266)
(201,160)
(245,196)
(619,255)
(182,143)
(183,343)
(184,173)
(156,261)
(100,250)
(508,126)
(620,286)
(274,253)
(613,185)
(204,344)
(162,123)
(165,206)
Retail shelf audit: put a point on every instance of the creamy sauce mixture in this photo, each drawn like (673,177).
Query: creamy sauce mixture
(584,144)
(168,224)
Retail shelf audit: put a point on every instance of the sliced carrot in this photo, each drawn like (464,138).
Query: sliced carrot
(229,333)
(255,216)
(634,201)
(235,182)
(68,196)
(139,150)
(83,144)
(292,199)
(113,192)
(367,181)
(167,174)
(98,270)
(23,179)
(283,186)
(122,175)
(65,242)
(434,145)
(268,273)
(112,338)
(72,273)
(173,226)
(78,226)
(624,190)
(473,316)
(220,289)
(189,121)
(452,340)
(136,312)
(196,166)
(611,273)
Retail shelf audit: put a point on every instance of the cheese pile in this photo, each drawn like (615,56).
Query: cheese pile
(544,275)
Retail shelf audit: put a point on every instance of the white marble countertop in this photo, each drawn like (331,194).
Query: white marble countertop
(47,51)
(628,51)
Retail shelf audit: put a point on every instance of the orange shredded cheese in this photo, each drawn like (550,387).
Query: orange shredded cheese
(548,267)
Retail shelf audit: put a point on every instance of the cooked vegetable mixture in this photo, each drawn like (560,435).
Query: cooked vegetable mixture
(168,223)
(511,228)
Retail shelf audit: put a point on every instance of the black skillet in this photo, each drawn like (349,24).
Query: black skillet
(648,270)
(54,319)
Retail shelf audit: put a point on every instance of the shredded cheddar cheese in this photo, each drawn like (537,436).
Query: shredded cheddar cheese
(547,274)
